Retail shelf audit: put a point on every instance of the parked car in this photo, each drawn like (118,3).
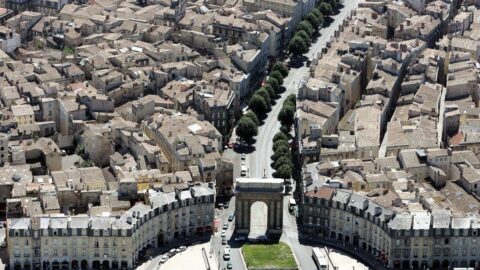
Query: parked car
(220,206)
(227,249)
(172,252)
(243,156)
(182,248)
(223,234)
(231,217)
(226,205)
(225,226)
(229,265)
(164,259)
(226,257)
(224,241)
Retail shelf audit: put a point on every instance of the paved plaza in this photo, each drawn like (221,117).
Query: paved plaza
(345,262)
(193,255)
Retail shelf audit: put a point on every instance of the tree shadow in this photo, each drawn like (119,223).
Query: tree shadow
(327,21)
(296,62)
(316,35)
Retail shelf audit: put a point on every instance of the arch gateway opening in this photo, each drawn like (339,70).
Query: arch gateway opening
(259,206)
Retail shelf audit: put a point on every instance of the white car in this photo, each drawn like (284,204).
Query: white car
(224,234)
(182,248)
(227,249)
(164,259)
(243,156)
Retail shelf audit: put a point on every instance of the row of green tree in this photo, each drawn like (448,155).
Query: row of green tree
(261,102)
(312,22)
(282,154)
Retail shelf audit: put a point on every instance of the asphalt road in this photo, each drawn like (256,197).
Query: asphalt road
(259,160)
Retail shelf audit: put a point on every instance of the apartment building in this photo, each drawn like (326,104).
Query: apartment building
(3,149)
(70,242)
(184,139)
(403,240)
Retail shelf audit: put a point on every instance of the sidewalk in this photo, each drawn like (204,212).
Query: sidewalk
(356,252)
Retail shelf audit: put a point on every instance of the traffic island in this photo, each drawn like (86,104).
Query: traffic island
(269,256)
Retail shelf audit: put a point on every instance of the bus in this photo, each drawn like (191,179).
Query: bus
(319,257)
(291,204)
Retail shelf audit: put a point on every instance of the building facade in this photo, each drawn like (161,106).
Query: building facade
(403,240)
(61,242)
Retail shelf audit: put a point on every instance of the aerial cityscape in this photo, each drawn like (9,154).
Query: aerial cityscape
(239,134)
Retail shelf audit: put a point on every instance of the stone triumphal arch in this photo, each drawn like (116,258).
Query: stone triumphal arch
(250,190)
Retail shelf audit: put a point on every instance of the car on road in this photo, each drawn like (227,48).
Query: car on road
(240,239)
(182,248)
(229,265)
(172,252)
(225,226)
(164,259)
(231,217)
(226,257)
(243,170)
(224,241)
(243,156)
(244,163)
(220,206)
(227,249)
(223,234)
